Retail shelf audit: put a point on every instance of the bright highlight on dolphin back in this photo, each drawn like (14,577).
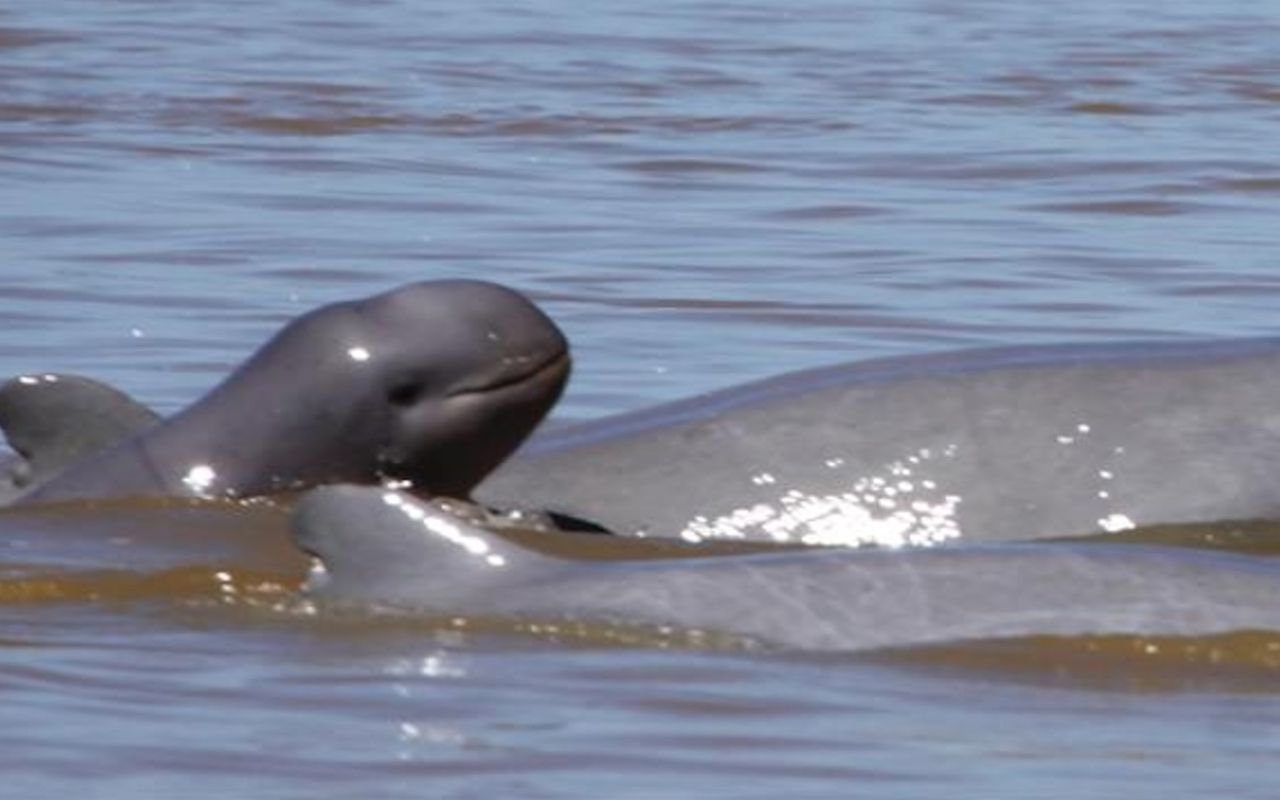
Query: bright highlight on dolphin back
(385,549)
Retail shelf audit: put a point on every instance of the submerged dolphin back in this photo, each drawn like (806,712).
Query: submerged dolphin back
(386,549)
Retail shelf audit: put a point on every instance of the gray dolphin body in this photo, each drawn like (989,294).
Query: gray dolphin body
(434,383)
(1000,444)
(385,549)
(52,421)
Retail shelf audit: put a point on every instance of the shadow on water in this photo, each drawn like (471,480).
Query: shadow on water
(121,551)
(1247,661)
(1257,537)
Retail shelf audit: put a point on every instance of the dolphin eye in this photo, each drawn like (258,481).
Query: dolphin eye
(406,394)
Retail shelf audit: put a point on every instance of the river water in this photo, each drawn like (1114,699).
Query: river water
(701,193)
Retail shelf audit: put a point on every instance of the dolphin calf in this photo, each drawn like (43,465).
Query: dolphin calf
(385,549)
(995,444)
(432,384)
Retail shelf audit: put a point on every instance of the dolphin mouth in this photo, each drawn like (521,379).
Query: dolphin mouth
(532,369)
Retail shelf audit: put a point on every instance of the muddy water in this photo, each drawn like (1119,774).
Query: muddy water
(701,194)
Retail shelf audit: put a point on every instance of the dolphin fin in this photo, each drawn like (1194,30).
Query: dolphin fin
(52,421)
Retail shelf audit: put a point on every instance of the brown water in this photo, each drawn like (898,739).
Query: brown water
(702,193)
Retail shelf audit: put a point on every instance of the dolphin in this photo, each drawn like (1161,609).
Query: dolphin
(431,385)
(992,444)
(996,444)
(383,549)
(52,421)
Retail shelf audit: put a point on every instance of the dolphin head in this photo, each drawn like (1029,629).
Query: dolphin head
(382,547)
(467,370)
(432,384)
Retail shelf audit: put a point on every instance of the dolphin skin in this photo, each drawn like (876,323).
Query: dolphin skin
(998,444)
(385,549)
(432,384)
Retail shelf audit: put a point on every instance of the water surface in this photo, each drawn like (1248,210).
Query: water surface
(701,193)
